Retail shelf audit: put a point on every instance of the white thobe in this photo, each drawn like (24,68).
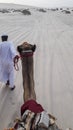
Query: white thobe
(7,53)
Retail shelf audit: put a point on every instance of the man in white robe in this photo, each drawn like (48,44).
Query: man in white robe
(8,55)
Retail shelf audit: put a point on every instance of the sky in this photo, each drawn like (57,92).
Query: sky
(41,3)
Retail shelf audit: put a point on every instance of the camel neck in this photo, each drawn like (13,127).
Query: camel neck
(28,77)
(27,69)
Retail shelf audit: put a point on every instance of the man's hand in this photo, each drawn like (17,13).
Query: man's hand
(16,59)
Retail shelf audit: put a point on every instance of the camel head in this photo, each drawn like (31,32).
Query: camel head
(26,48)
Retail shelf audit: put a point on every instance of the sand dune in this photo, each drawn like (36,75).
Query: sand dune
(52,32)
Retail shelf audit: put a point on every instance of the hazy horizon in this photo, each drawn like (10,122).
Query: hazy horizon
(41,3)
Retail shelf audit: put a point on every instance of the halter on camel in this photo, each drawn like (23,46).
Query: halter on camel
(26,53)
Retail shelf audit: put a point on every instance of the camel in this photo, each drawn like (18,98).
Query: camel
(26,51)
(30,106)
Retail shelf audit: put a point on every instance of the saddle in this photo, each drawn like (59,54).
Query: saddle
(33,117)
(33,121)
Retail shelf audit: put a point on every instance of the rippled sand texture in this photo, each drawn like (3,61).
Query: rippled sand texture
(52,32)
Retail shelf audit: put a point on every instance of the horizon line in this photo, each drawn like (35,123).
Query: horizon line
(38,6)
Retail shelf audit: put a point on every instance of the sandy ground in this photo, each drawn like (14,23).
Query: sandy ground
(52,32)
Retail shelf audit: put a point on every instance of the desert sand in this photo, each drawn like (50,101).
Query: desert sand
(52,32)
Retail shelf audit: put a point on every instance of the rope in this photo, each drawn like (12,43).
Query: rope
(25,54)
(16,66)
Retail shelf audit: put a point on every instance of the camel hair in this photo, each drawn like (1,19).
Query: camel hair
(26,51)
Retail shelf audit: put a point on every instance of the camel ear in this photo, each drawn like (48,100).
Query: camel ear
(34,47)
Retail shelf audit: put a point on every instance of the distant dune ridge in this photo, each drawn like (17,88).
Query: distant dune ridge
(9,8)
(51,29)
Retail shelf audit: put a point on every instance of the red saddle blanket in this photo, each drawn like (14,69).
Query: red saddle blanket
(31,105)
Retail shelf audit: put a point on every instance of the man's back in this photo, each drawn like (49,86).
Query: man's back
(7,51)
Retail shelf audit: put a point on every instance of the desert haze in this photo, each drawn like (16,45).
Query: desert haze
(52,32)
